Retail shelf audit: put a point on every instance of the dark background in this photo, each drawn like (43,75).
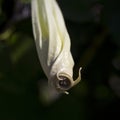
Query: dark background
(94,28)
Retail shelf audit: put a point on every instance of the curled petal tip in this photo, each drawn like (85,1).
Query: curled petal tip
(79,77)
(66,92)
(80,69)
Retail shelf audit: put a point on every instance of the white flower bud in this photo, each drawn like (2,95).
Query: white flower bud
(53,44)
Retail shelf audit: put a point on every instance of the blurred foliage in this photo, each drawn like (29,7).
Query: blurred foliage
(94,29)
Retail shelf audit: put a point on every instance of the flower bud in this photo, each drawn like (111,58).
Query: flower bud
(53,44)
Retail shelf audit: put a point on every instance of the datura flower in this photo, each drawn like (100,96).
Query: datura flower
(53,44)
